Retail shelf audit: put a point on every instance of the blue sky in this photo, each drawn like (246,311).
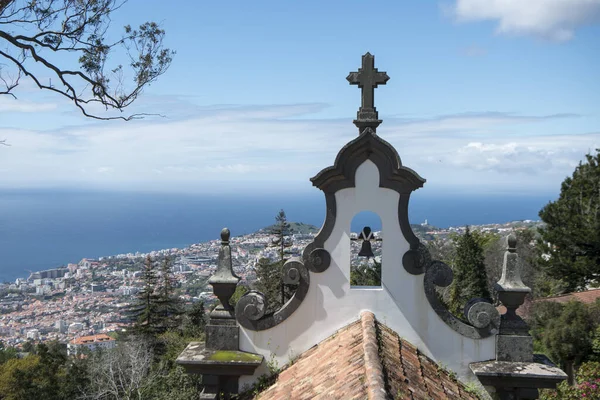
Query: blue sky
(484,95)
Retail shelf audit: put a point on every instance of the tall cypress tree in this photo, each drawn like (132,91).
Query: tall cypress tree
(169,306)
(281,229)
(274,272)
(145,310)
(470,278)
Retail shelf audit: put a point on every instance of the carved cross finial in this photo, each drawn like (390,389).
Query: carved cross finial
(367,78)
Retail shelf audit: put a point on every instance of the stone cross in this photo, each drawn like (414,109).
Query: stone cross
(367,78)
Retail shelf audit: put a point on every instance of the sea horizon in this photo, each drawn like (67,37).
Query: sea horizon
(43,229)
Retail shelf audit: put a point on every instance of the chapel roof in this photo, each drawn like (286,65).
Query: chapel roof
(365,359)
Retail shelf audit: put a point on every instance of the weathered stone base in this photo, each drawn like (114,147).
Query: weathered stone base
(222,335)
(517,380)
(220,369)
(514,348)
(517,394)
(215,385)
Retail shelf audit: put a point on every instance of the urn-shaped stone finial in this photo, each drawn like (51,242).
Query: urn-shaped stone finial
(224,281)
(219,358)
(511,289)
(514,374)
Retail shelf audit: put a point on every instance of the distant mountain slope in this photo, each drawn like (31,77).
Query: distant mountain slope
(296,227)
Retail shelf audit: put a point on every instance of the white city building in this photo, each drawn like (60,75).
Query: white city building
(91,343)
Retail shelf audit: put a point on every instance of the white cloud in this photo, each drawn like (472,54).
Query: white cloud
(262,145)
(515,158)
(237,168)
(9,104)
(550,19)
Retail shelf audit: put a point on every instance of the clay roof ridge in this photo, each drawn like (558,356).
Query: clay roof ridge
(374,369)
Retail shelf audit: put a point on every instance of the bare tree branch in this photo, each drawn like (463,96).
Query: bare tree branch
(79,28)
(123,372)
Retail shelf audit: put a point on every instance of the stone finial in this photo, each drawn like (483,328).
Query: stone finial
(224,281)
(514,342)
(219,358)
(367,78)
(515,374)
(225,234)
(512,243)
(510,287)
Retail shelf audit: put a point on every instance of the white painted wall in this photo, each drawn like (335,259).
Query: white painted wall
(400,303)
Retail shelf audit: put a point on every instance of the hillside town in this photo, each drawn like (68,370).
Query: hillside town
(81,303)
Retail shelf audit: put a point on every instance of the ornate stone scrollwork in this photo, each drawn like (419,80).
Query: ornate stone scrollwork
(291,275)
(483,316)
(251,306)
(319,259)
(416,260)
(440,273)
(250,309)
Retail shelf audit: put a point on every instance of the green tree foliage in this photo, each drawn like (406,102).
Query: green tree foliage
(571,238)
(146,310)
(133,370)
(269,282)
(541,313)
(240,290)
(33,35)
(28,346)
(169,306)
(269,275)
(175,384)
(596,343)
(281,229)
(565,332)
(532,276)
(366,275)
(568,338)
(195,320)
(470,279)
(19,379)
(587,385)
(157,308)
(49,374)
(7,353)
(167,380)
(492,244)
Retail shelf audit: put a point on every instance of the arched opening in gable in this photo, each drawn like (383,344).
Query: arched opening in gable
(365,248)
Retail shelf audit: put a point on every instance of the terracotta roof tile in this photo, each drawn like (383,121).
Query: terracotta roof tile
(364,360)
(332,369)
(92,339)
(587,297)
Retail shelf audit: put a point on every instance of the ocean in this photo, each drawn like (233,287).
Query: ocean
(41,229)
